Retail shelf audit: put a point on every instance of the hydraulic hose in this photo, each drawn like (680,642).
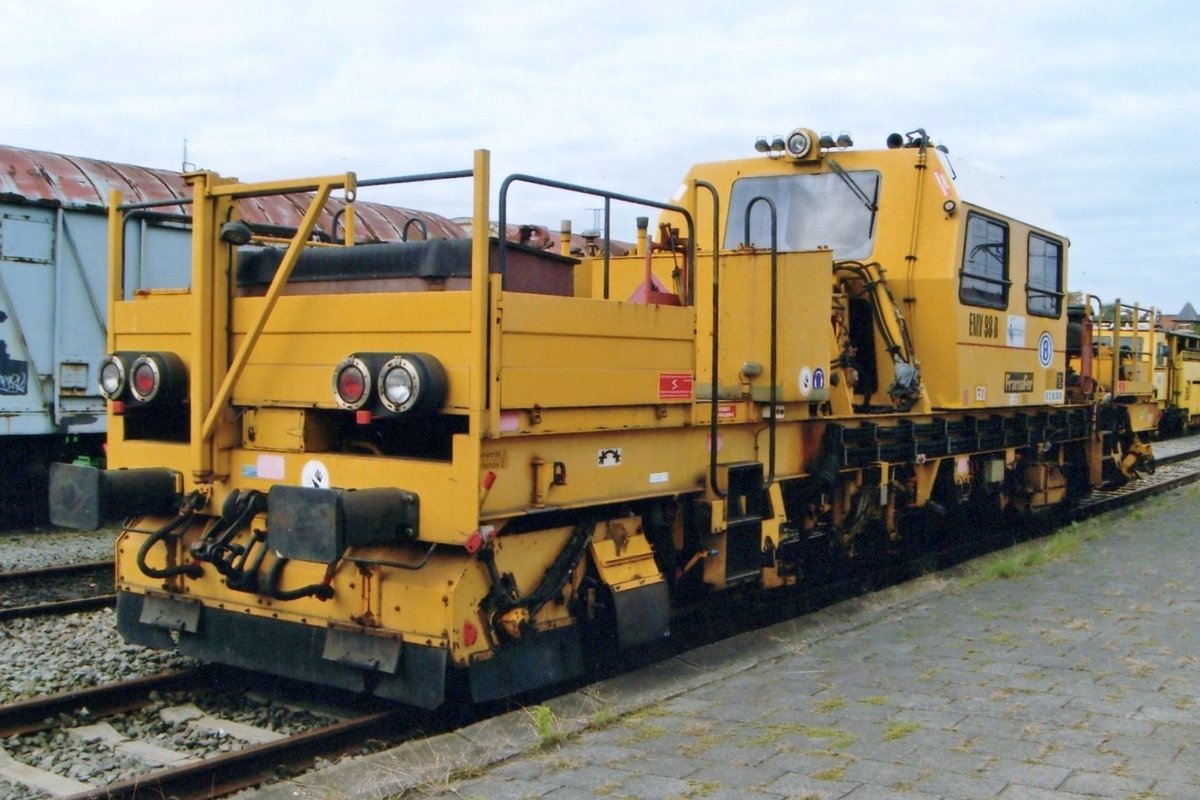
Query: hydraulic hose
(175,528)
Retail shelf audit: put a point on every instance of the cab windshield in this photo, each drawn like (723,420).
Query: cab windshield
(829,209)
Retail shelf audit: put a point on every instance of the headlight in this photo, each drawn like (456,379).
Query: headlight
(799,143)
(412,383)
(399,385)
(112,378)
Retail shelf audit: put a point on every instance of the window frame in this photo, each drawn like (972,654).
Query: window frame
(982,297)
(1032,291)
(735,221)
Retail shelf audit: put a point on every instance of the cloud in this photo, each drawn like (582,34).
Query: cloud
(1092,106)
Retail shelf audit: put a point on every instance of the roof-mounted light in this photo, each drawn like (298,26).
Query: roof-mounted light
(803,144)
(917,138)
(799,143)
(762,145)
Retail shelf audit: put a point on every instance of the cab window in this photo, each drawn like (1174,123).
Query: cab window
(984,276)
(827,209)
(1043,292)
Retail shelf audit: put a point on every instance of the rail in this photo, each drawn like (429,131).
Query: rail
(17,585)
(26,716)
(212,776)
(221,775)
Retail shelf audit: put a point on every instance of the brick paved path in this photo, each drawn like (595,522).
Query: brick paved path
(1078,677)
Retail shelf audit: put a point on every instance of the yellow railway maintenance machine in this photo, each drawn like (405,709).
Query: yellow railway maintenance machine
(381,467)
(1118,350)
(1182,359)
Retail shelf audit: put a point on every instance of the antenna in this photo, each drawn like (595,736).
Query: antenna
(597,220)
(187,165)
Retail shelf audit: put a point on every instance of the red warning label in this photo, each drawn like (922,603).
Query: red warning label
(674,386)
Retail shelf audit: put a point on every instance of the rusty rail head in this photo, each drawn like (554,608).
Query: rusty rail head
(25,716)
(230,772)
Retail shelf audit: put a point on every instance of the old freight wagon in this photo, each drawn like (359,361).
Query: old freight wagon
(53,287)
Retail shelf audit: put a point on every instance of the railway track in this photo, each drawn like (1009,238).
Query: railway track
(61,589)
(1172,471)
(259,755)
(254,764)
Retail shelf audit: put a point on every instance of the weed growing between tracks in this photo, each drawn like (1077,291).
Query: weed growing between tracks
(546,725)
(1019,560)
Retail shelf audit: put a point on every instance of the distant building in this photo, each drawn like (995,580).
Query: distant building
(1186,320)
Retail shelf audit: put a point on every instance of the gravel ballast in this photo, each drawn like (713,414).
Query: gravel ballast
(52,654)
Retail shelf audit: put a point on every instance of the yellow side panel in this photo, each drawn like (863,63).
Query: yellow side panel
(160,325)
(164,314)
(1143,417)
(803,335)
(627,565)
(282,429)
(995,357)
(142,453)
(563,351)
(1187,387)
(307,336)
(401,312)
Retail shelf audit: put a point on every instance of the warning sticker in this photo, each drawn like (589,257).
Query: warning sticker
(674,386)
(494,459)
(1015,332)
(942,182)
(314,475)
(805,381)
(270,467)
(609,457)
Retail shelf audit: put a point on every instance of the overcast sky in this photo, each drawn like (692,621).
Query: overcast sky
(1093,105)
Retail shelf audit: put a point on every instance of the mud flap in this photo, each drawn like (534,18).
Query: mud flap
(643,614)
(133,630)
(538,660)
(171,613)
(363,647)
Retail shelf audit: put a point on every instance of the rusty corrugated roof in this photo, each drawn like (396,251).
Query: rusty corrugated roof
(35,176)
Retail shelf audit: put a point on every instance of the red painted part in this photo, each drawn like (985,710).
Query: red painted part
(35,176)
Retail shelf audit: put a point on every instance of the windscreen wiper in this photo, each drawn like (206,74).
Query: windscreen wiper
(854,187)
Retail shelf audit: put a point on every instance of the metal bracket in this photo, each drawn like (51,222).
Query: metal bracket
(362,647)
(171,612)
